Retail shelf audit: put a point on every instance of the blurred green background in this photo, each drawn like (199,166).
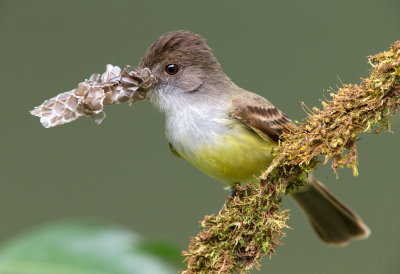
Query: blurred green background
(123,171)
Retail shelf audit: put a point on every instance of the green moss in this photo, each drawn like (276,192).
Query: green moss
(230,242)
(334,130)
(252,224)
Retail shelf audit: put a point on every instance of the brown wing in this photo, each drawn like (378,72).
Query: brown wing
(261,116)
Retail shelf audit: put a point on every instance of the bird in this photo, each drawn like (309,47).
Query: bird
(228,132)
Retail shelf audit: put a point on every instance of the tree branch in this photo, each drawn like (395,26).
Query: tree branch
(252,223)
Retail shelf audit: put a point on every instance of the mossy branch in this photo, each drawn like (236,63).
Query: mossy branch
(252,223)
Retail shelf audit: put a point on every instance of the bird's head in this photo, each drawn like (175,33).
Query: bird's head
(185,69)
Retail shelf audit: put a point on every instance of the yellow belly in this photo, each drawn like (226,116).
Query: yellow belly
(234,158)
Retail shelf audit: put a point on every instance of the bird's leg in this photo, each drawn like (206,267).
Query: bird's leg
(234,190)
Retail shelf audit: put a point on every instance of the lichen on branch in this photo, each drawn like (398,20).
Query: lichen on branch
(252,223)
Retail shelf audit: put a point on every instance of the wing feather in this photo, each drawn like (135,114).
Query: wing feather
(260,115)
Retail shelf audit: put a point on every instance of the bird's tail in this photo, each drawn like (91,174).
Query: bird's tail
(333,221)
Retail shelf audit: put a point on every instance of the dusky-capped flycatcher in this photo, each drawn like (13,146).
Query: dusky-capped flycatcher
(228,132)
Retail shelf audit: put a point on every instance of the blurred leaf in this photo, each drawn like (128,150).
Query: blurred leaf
(163,250)
(84,247)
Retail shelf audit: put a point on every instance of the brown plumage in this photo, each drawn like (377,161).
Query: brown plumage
(179,46)
(333,221)
(262,116)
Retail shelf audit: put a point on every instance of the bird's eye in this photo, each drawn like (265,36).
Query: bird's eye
(172,69)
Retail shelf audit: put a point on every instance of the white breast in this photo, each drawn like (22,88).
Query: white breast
(191,126)
(192,120)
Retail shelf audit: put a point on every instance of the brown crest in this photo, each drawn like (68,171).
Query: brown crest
(182,46)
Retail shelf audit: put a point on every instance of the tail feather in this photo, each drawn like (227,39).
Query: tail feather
(333,221)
